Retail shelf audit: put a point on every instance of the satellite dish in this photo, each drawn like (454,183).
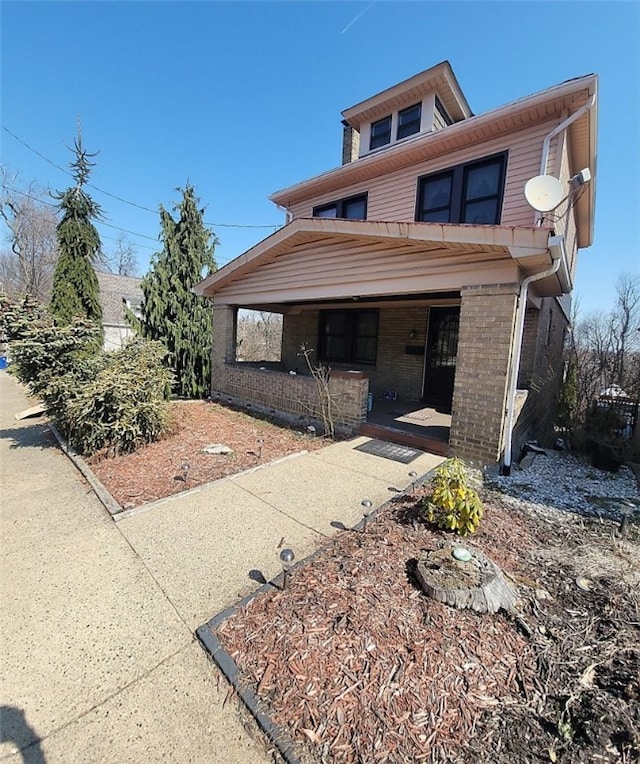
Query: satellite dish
(544,192)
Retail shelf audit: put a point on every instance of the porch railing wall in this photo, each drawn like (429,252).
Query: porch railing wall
(292,397)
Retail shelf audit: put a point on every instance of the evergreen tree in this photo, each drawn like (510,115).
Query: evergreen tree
(171,312)
(75,284)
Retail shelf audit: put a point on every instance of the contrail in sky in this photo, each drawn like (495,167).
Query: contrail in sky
(353,21)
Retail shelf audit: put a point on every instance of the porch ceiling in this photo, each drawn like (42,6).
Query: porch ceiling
(320,259)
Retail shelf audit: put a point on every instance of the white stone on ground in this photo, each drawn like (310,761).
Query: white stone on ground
(561,481)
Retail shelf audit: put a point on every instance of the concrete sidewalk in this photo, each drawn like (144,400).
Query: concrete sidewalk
(97,665)
(97,617)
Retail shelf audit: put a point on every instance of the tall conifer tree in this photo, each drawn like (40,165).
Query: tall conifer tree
(75,284)
(171,312)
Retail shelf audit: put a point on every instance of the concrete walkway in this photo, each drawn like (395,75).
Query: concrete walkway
(97,617)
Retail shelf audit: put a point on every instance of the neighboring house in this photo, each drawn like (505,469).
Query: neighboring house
(116,294)
(419,267)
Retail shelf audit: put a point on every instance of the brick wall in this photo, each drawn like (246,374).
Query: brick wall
(394,370)
(297,330)
(350,144)
(292,398)
(272,390)
(486,327)
(224,332)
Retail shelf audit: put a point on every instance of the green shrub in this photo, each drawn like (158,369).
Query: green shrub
(42,352)
(453,505)
(113,402)
(125,405)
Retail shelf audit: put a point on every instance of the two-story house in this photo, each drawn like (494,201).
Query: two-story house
(418,270)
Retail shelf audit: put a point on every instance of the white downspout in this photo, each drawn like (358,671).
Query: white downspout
(546,145)
(288,217)
(557,252)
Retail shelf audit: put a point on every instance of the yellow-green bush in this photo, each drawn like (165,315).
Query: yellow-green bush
(453,505)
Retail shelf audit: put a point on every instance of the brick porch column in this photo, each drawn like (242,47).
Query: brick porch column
(487,316)
(223,347)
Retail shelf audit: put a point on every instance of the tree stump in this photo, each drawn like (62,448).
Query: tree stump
(477,583)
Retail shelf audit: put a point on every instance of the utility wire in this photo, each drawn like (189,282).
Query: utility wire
(121,199)
(99,222)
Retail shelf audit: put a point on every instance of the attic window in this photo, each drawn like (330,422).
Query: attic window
(380,133)
(409,121)
(134,305)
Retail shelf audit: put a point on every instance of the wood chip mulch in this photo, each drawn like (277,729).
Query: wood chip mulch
(156,471)
(357,665)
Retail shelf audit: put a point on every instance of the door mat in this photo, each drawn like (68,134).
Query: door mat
(393,451)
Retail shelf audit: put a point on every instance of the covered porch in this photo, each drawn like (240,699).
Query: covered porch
(424,312)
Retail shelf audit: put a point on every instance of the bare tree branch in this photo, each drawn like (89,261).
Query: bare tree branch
(31,224)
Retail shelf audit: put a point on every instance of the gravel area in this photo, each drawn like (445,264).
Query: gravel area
(557,480)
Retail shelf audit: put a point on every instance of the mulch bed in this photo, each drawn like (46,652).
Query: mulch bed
(177,461)
(357,665)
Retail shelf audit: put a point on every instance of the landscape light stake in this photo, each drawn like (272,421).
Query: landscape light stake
(287,556)
(413,475)
(260,442)
(185,467)
(367,504)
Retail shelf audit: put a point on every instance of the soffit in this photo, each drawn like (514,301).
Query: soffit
(439,79)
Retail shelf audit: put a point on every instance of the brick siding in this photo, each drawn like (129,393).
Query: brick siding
(484,349)
(291,398)
(394,369)
(484,346)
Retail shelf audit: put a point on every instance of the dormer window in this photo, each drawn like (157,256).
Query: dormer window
(380,133)
(409,121)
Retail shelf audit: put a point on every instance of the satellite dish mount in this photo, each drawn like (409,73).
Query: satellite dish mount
(544,193)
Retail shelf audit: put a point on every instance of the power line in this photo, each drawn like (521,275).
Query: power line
(120,198)
(98,222)
(101,222)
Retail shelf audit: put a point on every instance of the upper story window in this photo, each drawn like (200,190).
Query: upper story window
(467,193)
(380,133)
(409,121)
(353,208)
(349,336)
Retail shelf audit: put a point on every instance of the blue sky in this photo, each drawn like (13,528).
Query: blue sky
(244,98)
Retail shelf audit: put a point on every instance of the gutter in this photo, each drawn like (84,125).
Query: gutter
(558,255)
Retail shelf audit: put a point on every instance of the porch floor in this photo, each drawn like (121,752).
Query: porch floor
(409,423)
